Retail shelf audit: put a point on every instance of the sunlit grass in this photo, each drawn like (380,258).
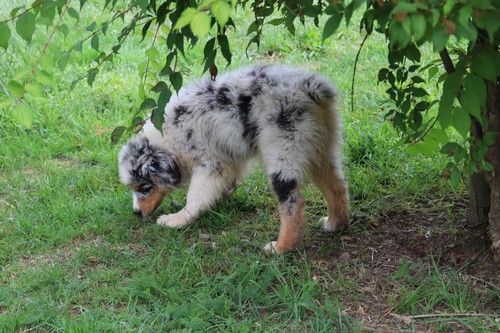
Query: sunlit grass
(74,258)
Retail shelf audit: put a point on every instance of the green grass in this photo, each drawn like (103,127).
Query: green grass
(74,258)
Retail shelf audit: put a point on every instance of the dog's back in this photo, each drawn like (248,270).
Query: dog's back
(273,111)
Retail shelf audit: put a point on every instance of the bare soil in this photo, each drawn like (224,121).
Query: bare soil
(371,252)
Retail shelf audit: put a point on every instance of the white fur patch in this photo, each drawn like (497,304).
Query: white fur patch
(135,202)
(270,247)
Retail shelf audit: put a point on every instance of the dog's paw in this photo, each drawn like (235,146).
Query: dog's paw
(177,220)
(270,248)
(328,226)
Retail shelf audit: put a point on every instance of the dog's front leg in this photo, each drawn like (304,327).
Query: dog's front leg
(205,188)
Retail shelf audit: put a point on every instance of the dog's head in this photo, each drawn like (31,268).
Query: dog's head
(151,173)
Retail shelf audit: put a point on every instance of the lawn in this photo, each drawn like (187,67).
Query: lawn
(75,258)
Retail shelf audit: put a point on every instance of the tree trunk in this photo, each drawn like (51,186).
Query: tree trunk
(493,178)
(479,200)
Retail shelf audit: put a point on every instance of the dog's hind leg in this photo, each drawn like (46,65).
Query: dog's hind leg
(208,184)
(331,181)
(291,211)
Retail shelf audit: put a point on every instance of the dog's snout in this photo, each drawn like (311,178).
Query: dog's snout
(138,213)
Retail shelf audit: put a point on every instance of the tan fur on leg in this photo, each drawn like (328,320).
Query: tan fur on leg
(334,188)
(293,223)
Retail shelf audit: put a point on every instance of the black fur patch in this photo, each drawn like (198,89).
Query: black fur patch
(288,117)
(189,134)
(209,89)
(153,165)
(285,121)
(249,127)
(256,87)
(179,112)
(283,187)
(222,96)
(174,173)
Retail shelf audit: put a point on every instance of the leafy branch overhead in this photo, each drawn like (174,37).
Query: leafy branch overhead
(469,29)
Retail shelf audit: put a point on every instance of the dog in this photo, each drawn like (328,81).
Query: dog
(286,117)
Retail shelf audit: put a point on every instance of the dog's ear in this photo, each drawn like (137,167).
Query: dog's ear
(139,161)
(163,169)
(131,159)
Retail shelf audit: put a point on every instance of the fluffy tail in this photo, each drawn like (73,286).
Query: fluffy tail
(320,89)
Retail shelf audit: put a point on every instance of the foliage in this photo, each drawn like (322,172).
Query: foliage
(470,28)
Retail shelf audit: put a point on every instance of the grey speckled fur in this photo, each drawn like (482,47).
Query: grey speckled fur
(287,117)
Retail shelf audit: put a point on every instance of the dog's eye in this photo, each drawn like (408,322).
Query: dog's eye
(144,189)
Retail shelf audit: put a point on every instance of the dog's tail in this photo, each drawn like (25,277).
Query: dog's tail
(320,90)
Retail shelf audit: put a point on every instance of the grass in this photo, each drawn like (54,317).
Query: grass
(74,258)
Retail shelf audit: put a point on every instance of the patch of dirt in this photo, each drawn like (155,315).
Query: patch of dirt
(371,252)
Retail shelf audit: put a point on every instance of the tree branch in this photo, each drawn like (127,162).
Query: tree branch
(23,12)
(447,63)
(354,70)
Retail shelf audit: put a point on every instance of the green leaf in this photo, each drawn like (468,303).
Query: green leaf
(224,47)
(44,77)
(116,134)
(221,11)
(6,102)
(437,134)
(25,26)
(152,53)
(91,76)
(451,148)
(145,28)
(450,89)
(159,87)
(185,18)
(418,26)
(15,88)
(332,24)
(91,26)
(398,34)
(47,14)
(94,42)
(158,118)
(427,147)
(176,80)
(4,35)
(200,24)
(35,89)
(82,3)
(421,106)
(23,115)
(455,177)
(208,50)
(432,72)
(73,13)
(14,11)
(448,6)
(63,60)
(64,29)
(142,3)
(147,104)
(474,95)
(439,39)
(486,63)
(461,121)
(162,12)
(164,98)
(276,21)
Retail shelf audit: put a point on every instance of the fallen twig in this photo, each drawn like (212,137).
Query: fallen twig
(442,315)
